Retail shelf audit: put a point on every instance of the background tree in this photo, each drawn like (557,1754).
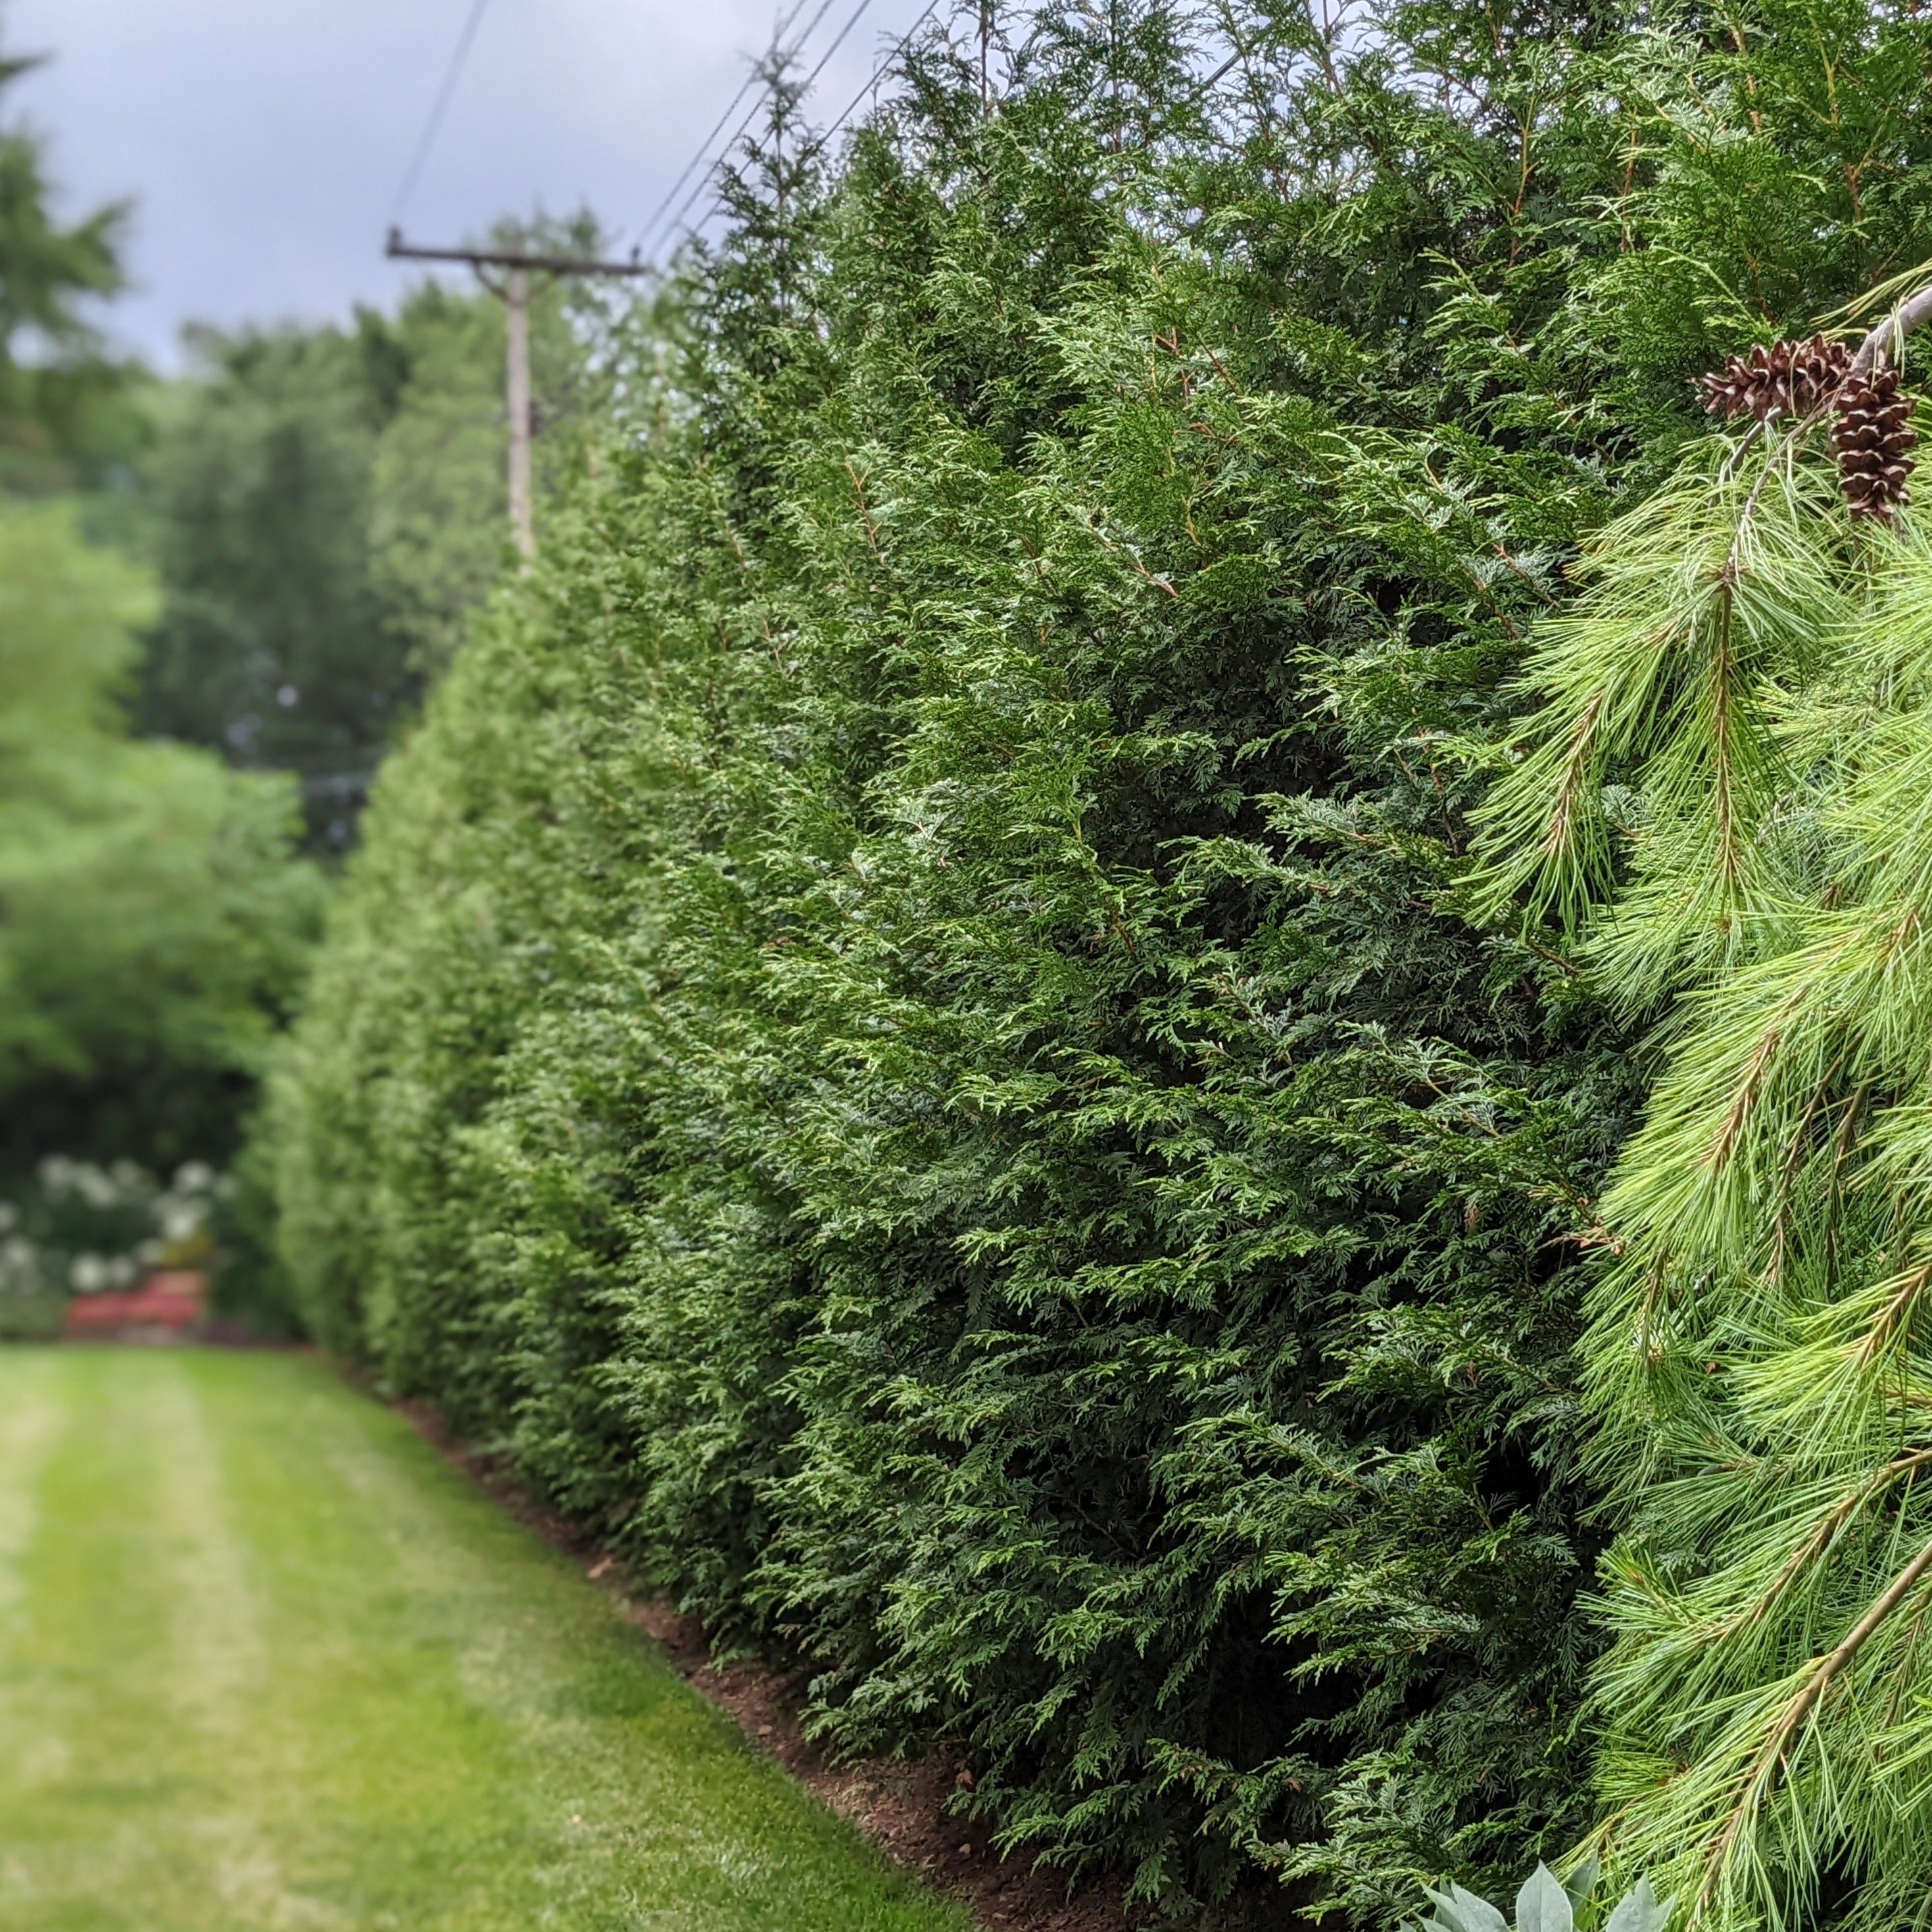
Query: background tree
(271,647)
(326,508)
(66,413)
(153,923)
(152,928)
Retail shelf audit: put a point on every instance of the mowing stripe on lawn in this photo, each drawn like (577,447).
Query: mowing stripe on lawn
(268,1662)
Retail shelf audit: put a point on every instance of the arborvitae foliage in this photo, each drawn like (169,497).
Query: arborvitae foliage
(901,1037)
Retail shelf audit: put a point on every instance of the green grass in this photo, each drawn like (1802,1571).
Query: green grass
(266,1661)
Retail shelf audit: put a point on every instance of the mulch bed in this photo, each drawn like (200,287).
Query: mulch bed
(901,1805)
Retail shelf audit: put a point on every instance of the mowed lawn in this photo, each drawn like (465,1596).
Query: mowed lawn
(266,1661)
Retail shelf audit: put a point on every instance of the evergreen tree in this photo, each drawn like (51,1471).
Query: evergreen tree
(65,408)
(905,1035)
(1718,786)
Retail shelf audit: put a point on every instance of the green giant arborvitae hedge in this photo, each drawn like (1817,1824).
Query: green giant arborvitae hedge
(904,1036)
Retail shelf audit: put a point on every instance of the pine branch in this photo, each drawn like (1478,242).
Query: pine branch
(1759,1776)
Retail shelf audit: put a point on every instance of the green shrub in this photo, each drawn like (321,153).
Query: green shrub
(902,1035)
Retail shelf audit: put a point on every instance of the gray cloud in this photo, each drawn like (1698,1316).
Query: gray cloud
(263,141)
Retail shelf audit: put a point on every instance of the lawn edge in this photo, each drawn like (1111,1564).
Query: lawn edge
(901,1806)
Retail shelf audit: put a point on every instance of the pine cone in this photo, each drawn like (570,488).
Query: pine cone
(1816,368)
(1757,384)
(1778,379)
(1872,441)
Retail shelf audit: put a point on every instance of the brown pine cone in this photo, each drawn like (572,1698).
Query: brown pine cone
(1747,385)
(1873,440)
(1816,368)
(1778,378)
(1756,384)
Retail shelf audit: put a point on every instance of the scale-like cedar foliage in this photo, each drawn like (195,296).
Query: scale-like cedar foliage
(900,1036)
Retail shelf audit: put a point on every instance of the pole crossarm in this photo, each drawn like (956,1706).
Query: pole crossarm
(514,292)
(398,249)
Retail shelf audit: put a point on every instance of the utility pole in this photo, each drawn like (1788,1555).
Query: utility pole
(513,291)
(517,387)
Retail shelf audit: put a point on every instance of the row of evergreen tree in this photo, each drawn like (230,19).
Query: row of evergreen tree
(924,1033)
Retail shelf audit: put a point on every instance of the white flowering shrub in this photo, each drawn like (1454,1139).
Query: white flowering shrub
(78,1228)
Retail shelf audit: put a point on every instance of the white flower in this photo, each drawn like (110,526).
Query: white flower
(96,1189)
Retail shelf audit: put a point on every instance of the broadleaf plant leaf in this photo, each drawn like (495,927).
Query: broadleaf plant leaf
(1583,1881)
(1542,1905)
(1638,1911)
(1472,1913)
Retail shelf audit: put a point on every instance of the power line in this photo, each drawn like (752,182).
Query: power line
(1212,80)
(851,106)
(749,81)
(434,126)
(718,161)
(752,113)
(851,21)
(898,47)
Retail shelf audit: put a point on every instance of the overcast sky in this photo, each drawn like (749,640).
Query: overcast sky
(263,141)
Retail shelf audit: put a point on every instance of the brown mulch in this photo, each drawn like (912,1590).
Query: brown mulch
(901,1805)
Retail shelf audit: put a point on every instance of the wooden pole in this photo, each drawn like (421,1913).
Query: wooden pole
(523,516)
(515,292)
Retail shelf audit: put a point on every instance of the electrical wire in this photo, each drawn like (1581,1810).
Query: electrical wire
(750,81)
(852,20)
(433,125)
(878,73)
(1212,80)
(678,222)
(898,47)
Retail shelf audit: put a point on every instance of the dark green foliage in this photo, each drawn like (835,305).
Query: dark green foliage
(65,411)
(271,647)
(902,1035)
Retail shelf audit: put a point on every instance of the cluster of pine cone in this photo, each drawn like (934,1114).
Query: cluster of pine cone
(1873,437)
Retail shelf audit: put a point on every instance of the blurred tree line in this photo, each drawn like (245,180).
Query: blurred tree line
(223,595)
(324,507)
